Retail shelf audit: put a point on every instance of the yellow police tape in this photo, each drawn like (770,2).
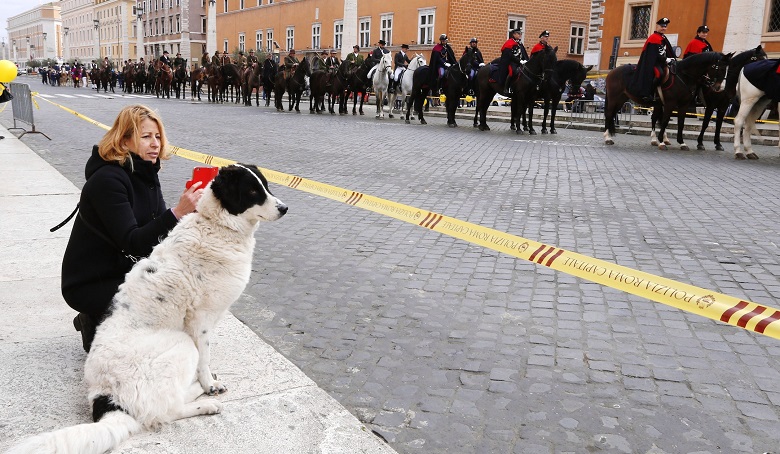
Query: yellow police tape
(706,303)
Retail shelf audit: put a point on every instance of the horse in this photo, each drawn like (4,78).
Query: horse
(197,76)
(140,77)
(293,85)
(383,71)
(252,81)
(129,76)
(456,82)
(162,84)
(180,80)
(527,78)
(676,92)
(552,88)
(231,78)
(317,91)
(151,78)
(269,74)
(721,99)
(421,86)
(358,82)
(754,96)
(405,84)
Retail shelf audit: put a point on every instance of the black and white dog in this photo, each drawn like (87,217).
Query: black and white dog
(149,361)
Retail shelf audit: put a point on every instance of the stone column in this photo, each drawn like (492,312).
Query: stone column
(743,29)
(211,33)
(350,35)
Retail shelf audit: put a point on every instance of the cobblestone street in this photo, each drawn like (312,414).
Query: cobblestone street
(442,346)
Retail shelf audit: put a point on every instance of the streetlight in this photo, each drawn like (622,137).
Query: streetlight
(44,45)
(65,31)
(97,30)
(29,51)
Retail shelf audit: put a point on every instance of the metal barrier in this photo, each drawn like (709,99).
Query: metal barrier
(592,112)
(22,108)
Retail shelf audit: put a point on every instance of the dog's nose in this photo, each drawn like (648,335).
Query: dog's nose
(282,208)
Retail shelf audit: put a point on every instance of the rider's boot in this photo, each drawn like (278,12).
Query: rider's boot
(507,86)
(391,87)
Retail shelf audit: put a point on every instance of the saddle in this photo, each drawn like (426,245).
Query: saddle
(494,72)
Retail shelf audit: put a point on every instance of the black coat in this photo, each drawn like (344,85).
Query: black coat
(127,207)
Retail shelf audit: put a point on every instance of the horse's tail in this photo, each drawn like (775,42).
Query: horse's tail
(104,435)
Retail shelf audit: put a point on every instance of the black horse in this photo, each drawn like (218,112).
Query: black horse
(180,80)
(358,82)
(721,99)
(421,86)
(552,88)
(456,83)
(318,90)
(707,69)
(293,85)
(526,79)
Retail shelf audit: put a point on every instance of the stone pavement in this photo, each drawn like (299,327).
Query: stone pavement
(271,405)
(441,346)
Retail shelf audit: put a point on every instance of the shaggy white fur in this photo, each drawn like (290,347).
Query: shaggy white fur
(150,357)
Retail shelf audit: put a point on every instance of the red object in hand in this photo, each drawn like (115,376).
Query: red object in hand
(202,174)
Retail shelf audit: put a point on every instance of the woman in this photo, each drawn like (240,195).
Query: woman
(122,215)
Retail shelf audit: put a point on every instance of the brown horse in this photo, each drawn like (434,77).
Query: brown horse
(676,91)
(251,77)
(162,84)
(317,86)
(197,77)
(231,78)
(180,80)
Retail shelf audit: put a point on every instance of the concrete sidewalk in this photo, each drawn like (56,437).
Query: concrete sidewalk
(271,406)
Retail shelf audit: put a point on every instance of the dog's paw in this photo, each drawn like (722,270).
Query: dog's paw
(216,388)
(209,406)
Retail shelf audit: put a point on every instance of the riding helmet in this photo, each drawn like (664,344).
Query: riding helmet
(473,40)
(703,29)
(443,36)
(663,21)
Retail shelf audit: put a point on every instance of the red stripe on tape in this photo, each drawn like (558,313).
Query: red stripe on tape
(729,312)
(552,259)
(533,256)
(743,321)
(761,326)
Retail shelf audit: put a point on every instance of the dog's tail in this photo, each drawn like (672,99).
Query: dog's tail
(95,438)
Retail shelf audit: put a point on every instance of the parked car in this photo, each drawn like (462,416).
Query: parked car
(500,100)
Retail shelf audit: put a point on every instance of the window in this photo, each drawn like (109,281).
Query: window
(338,34)
(259,3)
(240,4)
(226,6)
(241,42)
(203,24)
(386,28)
(577,39)
(269,40)
(364,32)
(315,36)
(425,26)
(640,22)
(225,46)
(178,23)
(290,38)
(773,25)
(516,22)
(258,40)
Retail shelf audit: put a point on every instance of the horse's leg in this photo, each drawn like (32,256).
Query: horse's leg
(681,114)
(553,111)
(708,109)
(544,115)
(665,117)
(749,128)
(362,98)
(531,103)
(653,120)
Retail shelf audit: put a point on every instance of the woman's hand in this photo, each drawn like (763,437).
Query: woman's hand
(188,200)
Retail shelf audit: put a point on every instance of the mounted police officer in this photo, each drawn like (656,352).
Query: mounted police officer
(165,59)
(657,54)
(442,57)
(475,61)
(290,63)
(270,68)
(542,44)
(401,62)
(699,43)
(252,58)
(512,50)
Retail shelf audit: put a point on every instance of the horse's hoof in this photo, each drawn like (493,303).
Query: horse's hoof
(407,122)
(553,131)
(662,146)
(512,127)
(654,143)
(544,131)
(354,113)
(532,132)
(423,122)
(719,147)
(520,132)
(452,125)
(609,142)
(390,116)
(739,156)
(752,156)
(684,147)
(700,147)
(361,113)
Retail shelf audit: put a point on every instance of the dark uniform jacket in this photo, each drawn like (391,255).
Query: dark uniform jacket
(511,51)
(401,60)
(332,63)
(653,58)
(178,61)
(474,57)
(252,59)
(125,204)
(166,60)
(378,52)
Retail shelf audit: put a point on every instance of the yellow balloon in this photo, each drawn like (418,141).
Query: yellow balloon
(442,98)
(469,98)
(7,71)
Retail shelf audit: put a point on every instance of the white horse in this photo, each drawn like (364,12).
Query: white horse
(381,81)
(404,87)
(753,101)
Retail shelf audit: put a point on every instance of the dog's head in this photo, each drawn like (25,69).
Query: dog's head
(242,190)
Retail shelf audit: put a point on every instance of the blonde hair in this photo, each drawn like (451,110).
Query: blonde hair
(126,126)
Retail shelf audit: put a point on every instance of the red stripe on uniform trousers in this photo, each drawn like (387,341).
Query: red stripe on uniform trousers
(729,312)
(743,321)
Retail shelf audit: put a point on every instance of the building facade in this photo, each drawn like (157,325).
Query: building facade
(313,25)
(735,25)
(35,34)
(176,26)
(78,31)
(115,30)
